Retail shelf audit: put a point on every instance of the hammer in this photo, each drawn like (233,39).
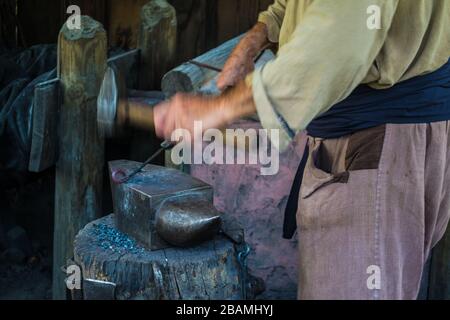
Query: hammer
(116,111)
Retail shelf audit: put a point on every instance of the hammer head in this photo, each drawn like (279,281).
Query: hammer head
(119,109)
(112,94)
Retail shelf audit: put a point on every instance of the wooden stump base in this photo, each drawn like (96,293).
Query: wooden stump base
(209,271)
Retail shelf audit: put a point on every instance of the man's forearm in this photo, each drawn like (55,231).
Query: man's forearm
(241,61)
(238,101)
(253,41)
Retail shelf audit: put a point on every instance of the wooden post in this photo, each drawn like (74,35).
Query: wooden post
(157,41)
(79,169)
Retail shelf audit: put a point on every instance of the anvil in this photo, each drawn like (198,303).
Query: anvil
(162,207)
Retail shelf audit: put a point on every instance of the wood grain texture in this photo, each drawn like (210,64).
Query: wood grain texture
(41,20)
(124,22)
(79,170)
(190,78)
(236,17)
(157,41)
(209,271)
(44,142)
(203,24)
(192,30)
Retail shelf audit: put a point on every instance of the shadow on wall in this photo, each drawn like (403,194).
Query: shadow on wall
(258,203)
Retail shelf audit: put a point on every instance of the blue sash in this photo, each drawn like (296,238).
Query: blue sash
(422,99)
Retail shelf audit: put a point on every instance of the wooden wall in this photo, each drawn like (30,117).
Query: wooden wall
(202,24)
(41,20)
(8,23)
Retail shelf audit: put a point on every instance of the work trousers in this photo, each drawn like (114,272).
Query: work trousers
(372,205)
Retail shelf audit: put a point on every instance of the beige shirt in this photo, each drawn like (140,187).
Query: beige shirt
(327,49)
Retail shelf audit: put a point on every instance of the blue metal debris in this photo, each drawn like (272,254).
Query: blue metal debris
(112,239)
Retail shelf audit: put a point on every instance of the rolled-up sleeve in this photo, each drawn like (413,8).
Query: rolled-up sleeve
(327,57)
(273,19)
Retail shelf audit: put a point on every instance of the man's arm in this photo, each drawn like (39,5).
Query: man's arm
(241,61)
(328,56)
(183,109)
(237,102)
(273,18)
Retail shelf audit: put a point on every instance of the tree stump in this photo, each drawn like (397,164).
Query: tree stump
(209,271)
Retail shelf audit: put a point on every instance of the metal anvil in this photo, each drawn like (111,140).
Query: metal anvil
(162,207)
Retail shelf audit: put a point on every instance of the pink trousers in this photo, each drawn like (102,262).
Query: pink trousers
(372,206)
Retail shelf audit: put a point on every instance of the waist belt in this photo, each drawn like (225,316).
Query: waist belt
(423,99)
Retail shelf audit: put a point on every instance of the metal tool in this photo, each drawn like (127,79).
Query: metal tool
(204,65)
(242,255)
(98,290)
(119,176)
(116,110)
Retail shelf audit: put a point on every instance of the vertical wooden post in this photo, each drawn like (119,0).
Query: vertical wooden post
(157,41)
(79,169)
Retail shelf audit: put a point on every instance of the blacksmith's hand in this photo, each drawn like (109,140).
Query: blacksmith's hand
(183,110)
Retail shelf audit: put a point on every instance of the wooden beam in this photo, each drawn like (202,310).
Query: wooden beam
(190,78)
(79,169)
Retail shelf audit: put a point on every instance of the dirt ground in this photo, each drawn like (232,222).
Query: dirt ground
(26,206)
(25,281)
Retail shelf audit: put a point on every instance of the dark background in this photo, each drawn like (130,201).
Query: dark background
(26,199)
(202,24)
